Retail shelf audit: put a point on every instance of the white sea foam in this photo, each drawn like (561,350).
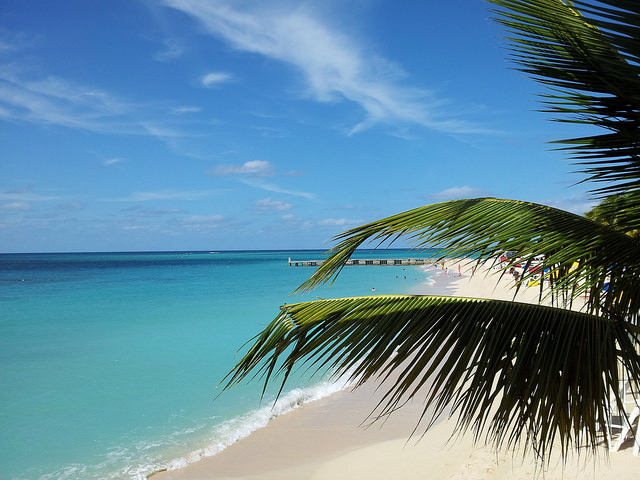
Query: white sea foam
(141,462)
(241,427)
(143,459)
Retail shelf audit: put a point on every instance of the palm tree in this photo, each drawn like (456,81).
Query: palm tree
(614,211)
(512,372)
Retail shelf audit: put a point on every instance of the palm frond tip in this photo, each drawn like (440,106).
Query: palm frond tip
(514,372)
(551,372)
(587,256)
(588,54)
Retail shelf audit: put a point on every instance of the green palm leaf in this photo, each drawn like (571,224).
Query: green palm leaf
(589,259)
(590,60)
(548,373)
(514,372)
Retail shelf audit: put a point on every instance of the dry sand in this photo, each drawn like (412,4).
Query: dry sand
(325,440)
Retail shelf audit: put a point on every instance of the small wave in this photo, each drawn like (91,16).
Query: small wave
(143,458)
(241,427)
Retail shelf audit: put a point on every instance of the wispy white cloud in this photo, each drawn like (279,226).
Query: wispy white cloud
(112,161)
(271,132)
(175,226)
(185,109)
(52,100)
(162,195)
(25,195)
(136,211)
(173,48)
(577,204)
(15,41)
(339,222)
(215,79)
(71,207)
(334,65)
(274,205)
(26,96)
(255,168)
(16,206)
(5,47)
(269,187)
(200,223)
(455,193)
(146,228)
(293,223)
(294,173)
(162,131)
(201,220)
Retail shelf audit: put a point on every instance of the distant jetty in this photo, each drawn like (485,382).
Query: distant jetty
(384,262)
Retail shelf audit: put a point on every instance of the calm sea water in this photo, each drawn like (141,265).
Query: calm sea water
(109,361)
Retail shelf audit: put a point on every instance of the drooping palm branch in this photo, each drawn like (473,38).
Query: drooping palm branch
(514,372)
(545,373)
(549,373)
(588,54)
(592,260)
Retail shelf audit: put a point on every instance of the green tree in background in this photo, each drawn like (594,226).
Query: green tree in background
(617,212)
(513,372)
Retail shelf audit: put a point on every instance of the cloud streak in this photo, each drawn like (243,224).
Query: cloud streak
(254,168)
(26,196)
(16,206)
(51,100)
(112,161)
(173,49)
(267,204)
(200,220)
(215,79)
(162,195)
(269,187)
(455,193)
(334,66)
(339,222)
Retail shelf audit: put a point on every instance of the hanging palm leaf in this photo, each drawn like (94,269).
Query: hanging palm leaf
(588,53)
(548,373)
(513,372)
(588,254)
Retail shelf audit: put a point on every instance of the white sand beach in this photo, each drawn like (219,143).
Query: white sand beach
(325,439)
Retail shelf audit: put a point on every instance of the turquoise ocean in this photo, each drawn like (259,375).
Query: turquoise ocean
(109,362)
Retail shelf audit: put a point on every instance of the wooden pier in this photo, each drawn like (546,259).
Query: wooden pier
(384,262)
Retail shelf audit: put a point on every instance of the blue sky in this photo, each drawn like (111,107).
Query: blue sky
(135,125)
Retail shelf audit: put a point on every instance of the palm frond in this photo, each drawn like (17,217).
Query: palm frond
(590,60)
(513,372)
(589,259)
(546,374)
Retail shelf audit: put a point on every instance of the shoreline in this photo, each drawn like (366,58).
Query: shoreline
(325,439)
